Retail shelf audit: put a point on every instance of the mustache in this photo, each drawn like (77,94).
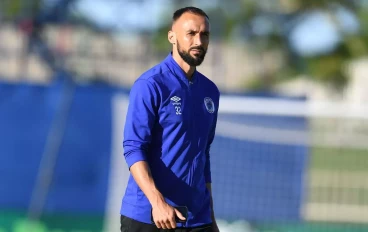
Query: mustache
(198,48)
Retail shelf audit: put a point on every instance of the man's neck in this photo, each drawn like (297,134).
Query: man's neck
(188,70)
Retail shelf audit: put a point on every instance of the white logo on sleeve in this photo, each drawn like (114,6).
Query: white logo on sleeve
(177,104)
(210,106)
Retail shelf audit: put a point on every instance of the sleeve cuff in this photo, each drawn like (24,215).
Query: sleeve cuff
(135,157)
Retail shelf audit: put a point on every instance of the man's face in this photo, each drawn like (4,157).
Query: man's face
(192,38)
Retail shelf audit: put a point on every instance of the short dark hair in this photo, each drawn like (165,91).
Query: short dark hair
(194,10)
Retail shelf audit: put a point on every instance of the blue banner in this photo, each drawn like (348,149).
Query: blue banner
(32,119)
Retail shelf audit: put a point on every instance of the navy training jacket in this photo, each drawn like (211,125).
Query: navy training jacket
(171,124)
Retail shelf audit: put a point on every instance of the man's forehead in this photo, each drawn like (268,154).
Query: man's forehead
(191,21)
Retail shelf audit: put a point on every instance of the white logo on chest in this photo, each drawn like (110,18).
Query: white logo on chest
(177,104)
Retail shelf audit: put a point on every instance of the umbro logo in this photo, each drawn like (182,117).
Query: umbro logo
(177,105)
(175,99)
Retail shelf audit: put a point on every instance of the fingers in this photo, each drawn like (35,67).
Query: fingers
(167,222)
(179,215)
(158,224)
(172,222)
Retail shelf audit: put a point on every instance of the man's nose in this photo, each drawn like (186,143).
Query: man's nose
(198,40)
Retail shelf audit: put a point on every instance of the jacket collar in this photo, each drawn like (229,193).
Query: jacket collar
(178,71)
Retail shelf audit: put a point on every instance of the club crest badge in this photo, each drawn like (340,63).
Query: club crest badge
(210,106)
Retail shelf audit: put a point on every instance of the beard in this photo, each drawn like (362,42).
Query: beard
(195,60)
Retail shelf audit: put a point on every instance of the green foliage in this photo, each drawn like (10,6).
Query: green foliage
(13,9)
(160,40)
(328,69)
(10,8)
(356,45)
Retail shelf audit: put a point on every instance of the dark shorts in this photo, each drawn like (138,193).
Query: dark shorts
(131,225)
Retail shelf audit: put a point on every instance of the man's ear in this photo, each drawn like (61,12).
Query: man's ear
(171,37)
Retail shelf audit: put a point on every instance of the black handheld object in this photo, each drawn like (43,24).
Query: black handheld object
(182,209)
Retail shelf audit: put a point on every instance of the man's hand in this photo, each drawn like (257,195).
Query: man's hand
(164,215)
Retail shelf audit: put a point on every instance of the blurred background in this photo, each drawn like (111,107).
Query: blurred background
(291,150)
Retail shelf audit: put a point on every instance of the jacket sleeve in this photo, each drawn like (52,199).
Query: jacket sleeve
(140,118)
(207,167)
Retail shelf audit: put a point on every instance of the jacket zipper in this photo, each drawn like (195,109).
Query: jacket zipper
(192,126)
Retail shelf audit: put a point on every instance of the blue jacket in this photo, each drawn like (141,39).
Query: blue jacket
(171,124)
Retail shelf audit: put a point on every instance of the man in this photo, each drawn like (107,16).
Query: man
(169,128)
